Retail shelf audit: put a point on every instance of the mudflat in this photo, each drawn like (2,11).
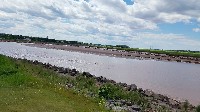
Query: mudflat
(119,53)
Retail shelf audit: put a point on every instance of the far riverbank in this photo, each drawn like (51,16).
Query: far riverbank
(119,53)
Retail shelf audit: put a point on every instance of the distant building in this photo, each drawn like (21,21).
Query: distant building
(121,51)
(112,49)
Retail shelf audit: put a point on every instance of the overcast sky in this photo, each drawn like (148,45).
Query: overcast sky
(163,24)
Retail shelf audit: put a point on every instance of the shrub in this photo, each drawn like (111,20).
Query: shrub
(110,91)
(84,82)
(186,105)
(198,109)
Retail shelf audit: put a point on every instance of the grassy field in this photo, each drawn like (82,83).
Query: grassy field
(28,88)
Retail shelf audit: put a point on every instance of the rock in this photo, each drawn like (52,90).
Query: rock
(101,79)
(160,97)
(73,73)
(69,85)
(111,106)
(141,91)
(123,102)
(148,93)
(55,68)
(107,105)
(174,104)
(35,62)
(129,103)
(118,103)
(117,108)
(109,101)
(61,70)
(87,74)
(162,104)
(74,70)
(67,70)
(112,81)
(132,111)
(134,108)
(122,84)
(48,66)
(131,87)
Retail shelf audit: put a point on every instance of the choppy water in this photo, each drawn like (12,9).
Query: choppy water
(178,80)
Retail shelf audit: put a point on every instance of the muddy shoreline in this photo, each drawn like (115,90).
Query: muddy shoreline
(119,53)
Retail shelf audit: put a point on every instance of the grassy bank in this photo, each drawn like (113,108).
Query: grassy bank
(34,86)
(195,54)
(29,88)
(25,86)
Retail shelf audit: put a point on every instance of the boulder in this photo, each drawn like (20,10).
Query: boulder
(61,70)
(131,87)
(67,70)
(128,103)
(35,62)
(74,71)
(47,65)
(134,108)
(122,84)
(112,81)
(55,68)
(141,91)
(174,103)
(101,79)
(161,97)
(87,74)
(148,93)
(69,85)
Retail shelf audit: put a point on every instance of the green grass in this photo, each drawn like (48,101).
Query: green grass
(25,87)
(198,108)
(168,52)
(31,88)
(28,87)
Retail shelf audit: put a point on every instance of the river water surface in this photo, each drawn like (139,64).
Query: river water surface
(177,80)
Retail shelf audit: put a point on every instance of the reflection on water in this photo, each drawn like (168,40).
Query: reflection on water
(174,79)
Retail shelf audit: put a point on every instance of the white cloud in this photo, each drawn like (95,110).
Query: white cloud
(75,16)
(196,29)
(198,19)
(104,21)
(174,17)
(164,41)
(170,11)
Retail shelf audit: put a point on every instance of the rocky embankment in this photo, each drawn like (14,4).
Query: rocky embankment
(156,102)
